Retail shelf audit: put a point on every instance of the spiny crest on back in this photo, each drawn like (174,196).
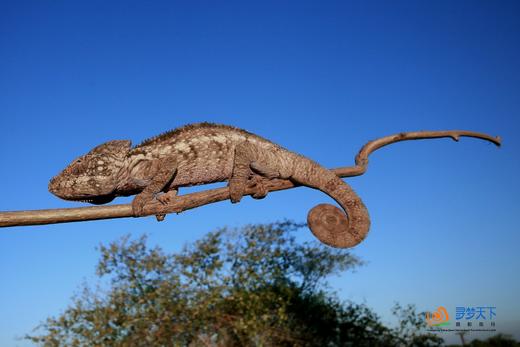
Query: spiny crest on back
(190,127)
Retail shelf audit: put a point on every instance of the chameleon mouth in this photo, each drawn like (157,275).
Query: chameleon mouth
(65,193)
(95,200)
(98,200)
(87,200)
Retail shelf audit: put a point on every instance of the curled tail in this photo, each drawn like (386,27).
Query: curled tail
(331,225)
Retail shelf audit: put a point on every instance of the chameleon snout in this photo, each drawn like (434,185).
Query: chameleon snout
(59,187)
(54,186)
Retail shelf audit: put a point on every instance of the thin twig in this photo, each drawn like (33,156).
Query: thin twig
(186,202)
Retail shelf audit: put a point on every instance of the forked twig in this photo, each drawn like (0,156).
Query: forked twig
(186,202)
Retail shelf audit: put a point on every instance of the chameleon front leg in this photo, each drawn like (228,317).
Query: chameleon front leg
(165,173)
(247,161)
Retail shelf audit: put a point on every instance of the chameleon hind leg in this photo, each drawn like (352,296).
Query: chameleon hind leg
(248,171)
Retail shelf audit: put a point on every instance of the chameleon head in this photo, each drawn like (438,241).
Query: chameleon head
(92,177)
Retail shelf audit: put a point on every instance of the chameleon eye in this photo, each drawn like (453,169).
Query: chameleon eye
(78,167)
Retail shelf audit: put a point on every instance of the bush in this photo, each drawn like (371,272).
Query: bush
(255,286)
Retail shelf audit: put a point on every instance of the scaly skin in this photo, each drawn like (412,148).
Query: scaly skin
(205,153)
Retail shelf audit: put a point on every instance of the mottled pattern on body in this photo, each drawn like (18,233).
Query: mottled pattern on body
(205,153)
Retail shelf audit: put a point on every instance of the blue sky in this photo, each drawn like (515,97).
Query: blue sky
(320,78)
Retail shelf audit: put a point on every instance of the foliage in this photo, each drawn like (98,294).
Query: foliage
(256,286)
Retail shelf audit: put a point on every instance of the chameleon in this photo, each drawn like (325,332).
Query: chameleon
(204,153)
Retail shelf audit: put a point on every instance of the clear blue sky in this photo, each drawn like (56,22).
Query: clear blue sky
(320,78)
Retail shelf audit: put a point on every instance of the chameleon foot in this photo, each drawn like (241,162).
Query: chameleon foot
(165,199)
(260,189)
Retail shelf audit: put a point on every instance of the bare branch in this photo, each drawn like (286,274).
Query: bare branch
(193,200)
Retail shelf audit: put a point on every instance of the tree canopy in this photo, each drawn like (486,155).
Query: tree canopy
(253,286)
